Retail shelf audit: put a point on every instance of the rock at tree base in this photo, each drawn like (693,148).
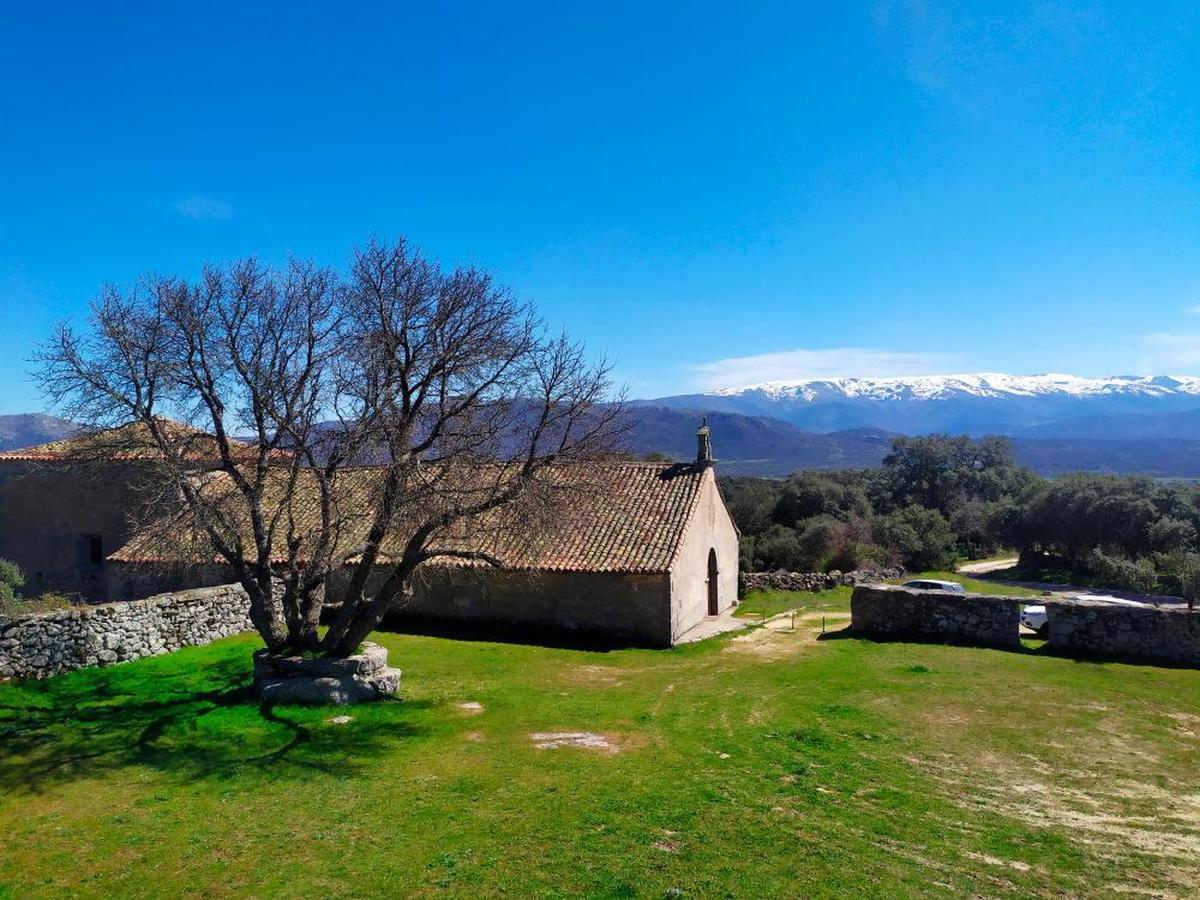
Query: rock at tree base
(298,679)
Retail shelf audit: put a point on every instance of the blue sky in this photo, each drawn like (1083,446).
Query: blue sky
(708,194)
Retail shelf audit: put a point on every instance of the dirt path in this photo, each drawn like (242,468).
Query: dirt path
(988,565)
(993,570)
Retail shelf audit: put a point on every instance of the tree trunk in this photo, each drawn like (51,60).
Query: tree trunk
(358,619)
(263,616)
(311,604)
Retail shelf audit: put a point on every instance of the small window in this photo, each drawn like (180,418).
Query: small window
(95,549)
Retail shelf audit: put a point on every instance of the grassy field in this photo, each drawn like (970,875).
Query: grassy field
(768,763)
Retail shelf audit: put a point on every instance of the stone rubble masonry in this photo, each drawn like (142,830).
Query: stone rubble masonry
(301,679)
(781,580)
(39,645)
(1087,628)
(890,611)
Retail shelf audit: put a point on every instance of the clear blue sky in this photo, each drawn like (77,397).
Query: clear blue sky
(708,193)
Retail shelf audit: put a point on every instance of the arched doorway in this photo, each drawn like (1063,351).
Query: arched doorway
(714,600)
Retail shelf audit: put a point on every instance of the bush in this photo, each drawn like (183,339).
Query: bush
(921,538)
(778,548)
(19,606)
(1124,574)
(1172,535)
(11,578)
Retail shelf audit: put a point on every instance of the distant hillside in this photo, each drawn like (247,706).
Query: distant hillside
(752,445)
(29,429)
(1169,458)
(769,447)
(1127,427)
(760,445)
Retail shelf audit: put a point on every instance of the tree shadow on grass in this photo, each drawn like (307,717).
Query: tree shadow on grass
(192,715)
(530,635)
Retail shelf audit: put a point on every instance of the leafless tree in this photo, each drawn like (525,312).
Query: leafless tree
(468,409)
(475,409)
(244,350)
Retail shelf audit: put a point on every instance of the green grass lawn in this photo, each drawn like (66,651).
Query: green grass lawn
(764,764)
(763,604)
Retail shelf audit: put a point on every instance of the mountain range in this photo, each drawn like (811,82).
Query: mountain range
(1123,424)
(1033,405)
(1058,423)
(28,429)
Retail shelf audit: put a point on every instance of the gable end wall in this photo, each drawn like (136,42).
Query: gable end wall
(711,527)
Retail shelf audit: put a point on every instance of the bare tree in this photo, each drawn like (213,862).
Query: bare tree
(474,408)
(244,350)
(451,387)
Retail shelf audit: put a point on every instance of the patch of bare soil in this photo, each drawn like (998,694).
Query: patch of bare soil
(584,740)
(604,676)
(470,708)
(778,639)
(1186,724)
(1112,814)
(995,861)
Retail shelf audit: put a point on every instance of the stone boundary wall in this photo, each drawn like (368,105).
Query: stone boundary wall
(889,611)
(39,645)
(780,580)
(1084,627)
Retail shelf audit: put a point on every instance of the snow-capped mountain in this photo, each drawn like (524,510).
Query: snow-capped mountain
(985,403)
(989,384)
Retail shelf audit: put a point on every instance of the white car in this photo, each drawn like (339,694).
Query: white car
(932,584)
(1033,616)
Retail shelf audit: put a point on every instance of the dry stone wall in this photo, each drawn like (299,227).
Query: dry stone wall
(888,611)
(42,644)
(1083,627)
(811,581)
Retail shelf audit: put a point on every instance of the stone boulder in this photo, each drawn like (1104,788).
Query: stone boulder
(325,680)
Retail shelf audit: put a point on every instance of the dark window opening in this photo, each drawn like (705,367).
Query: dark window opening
(95,549)
(714,599)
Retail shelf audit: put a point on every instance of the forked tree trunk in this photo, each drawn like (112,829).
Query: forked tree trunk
(356,621)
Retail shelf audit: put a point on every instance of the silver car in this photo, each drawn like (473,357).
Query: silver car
(932,584)
(1033,616)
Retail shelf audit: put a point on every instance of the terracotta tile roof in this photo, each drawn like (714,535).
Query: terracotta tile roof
(125,443)
(621,517)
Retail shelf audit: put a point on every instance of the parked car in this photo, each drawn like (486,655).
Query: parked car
(932,584)
(1033,616)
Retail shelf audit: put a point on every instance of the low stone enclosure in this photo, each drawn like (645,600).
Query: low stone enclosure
(1168,635)
(1164,634)
(38,645)
(781,580)
(889,611)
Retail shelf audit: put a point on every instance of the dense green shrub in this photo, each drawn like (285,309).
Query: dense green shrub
(1126,574)
(11,579)
(920,537)
(936,497)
